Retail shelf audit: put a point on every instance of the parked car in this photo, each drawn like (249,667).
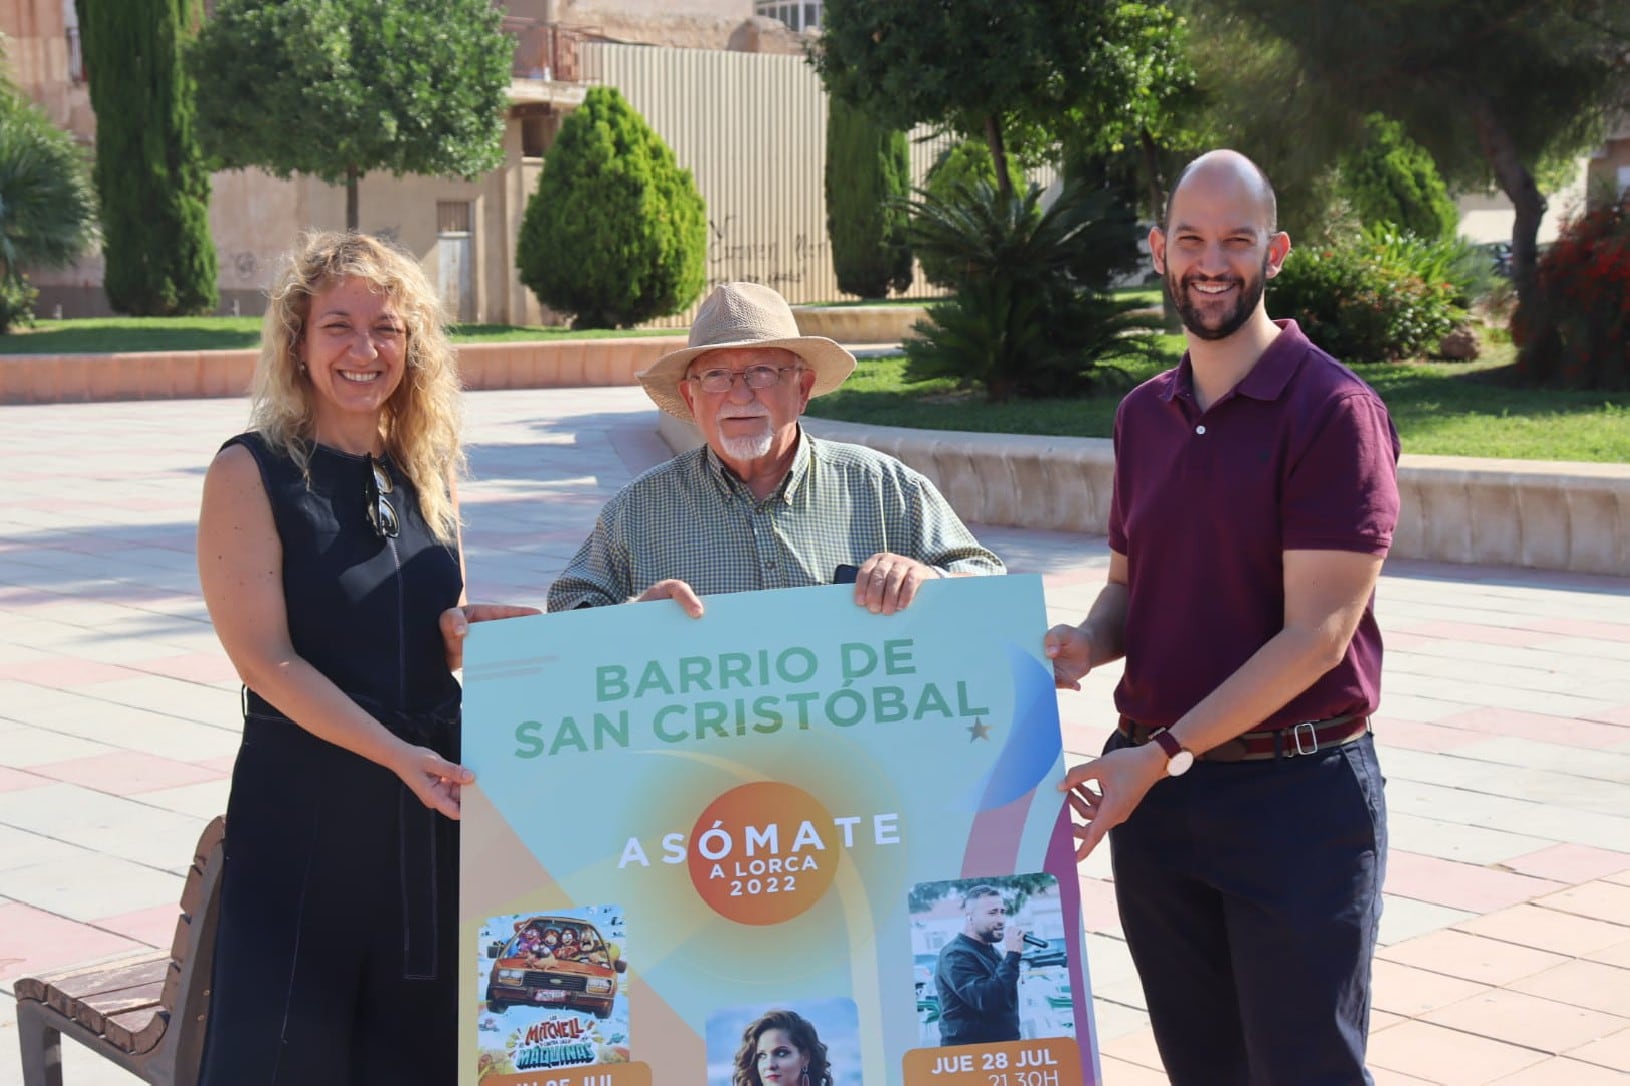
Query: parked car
(580,979)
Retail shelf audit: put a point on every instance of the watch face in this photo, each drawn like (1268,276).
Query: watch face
(1179,763)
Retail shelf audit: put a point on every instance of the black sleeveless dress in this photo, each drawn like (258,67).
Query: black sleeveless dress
(337,961)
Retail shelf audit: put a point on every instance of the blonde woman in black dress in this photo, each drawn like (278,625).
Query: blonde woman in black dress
(327,548)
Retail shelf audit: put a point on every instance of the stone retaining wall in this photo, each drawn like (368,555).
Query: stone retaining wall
(1539,514)
(186,375)
(860,323)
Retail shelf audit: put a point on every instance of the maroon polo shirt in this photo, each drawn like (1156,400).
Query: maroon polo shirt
(1300,455)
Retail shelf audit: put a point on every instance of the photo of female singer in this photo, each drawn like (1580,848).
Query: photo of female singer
(781,1048)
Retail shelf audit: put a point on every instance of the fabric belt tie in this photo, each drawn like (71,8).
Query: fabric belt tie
(1306,737)
(416,825)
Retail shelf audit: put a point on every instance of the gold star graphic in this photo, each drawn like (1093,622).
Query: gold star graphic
(978,730)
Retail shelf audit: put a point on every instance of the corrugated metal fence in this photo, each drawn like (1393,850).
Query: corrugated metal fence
(751,128)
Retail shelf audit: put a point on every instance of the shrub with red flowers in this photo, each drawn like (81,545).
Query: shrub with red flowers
(1574,331)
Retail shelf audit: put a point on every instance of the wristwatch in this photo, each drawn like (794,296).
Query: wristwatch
(1178,757)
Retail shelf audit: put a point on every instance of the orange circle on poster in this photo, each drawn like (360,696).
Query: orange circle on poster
(764,853)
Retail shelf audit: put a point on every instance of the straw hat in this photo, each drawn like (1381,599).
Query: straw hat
(745,315)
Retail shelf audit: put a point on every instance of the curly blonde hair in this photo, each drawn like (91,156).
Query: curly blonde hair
(421,420)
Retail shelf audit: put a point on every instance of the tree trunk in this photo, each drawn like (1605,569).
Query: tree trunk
(352,176)
(998,155)
(1170,320)
(1157,183)
(1516,180)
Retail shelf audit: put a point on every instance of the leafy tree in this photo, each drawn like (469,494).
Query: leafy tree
(1145,105)
(616,232)
(1251,94)
(1391,180)
(46,205)
(151,180)
(978,66)
(868,173)
(1488,87)
(342,88)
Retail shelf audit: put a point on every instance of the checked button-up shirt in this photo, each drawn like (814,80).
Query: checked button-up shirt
(692,519)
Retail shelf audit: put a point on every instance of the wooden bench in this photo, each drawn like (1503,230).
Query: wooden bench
(146,1014)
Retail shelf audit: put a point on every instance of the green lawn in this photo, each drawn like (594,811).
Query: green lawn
(1442,408)
(102,335)
(1148,296)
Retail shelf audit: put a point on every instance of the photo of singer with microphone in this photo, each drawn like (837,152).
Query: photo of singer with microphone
(978,973)
(991,961)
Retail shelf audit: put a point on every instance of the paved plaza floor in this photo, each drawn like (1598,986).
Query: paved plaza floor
(1504,733)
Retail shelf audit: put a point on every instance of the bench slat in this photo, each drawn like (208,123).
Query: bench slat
(94,1011)
(137,1031)
(90,985)
(71,979)
(192,893)
(173,979)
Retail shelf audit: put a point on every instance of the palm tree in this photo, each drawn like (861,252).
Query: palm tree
(47,209)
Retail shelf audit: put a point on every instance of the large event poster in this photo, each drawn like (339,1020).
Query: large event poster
(790,838)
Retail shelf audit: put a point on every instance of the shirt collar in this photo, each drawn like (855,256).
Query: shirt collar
(1266,380)
(729,484)
(1278,364)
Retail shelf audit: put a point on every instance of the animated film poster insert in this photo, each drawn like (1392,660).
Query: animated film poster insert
(551,991)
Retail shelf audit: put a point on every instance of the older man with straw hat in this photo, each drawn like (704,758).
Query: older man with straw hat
(762,504)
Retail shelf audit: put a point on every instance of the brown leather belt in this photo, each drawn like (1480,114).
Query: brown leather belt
(1307,737)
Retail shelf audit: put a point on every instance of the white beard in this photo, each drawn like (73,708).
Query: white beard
(748,446)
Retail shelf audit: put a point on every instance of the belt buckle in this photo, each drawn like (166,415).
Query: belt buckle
(1311,745)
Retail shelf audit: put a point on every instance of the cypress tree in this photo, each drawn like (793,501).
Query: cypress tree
(1391,179)
(151,181)
(616,232)
(868,167)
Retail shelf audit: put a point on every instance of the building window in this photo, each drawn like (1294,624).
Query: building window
(538,130)
(452,216)
(76,52)
(800,16)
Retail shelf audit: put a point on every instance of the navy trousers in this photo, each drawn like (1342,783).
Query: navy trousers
(1250,894)
(336,956)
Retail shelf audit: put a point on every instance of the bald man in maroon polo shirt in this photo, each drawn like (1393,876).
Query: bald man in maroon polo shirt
(1255,499)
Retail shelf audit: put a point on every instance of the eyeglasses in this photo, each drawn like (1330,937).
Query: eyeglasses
(721,380)
(381,513)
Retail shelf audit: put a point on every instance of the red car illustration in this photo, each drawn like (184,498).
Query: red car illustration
(555,961)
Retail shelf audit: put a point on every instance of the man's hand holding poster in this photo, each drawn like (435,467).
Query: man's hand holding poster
(791,842)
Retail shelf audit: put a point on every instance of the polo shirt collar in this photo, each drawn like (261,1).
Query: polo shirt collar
(1266,380)
(1278,364)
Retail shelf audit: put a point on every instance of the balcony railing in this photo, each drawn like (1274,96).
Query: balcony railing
(545,50)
